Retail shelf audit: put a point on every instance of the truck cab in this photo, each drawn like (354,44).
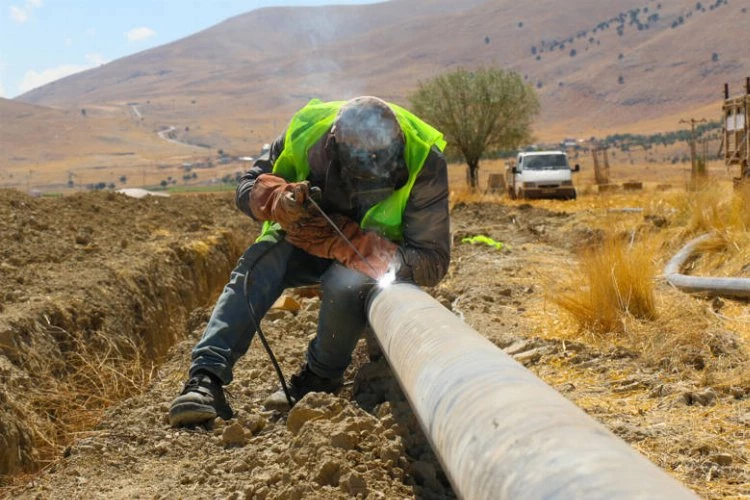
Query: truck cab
(541,174)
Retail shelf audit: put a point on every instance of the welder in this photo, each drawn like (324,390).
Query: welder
(375,171)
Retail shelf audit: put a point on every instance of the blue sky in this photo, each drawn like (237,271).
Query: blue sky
(44,40)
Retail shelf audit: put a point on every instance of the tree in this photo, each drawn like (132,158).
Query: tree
(488,108)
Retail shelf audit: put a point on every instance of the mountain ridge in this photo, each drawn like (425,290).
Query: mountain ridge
(596,66)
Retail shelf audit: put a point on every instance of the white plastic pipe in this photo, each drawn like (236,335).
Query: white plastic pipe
(724,287)
(499,431)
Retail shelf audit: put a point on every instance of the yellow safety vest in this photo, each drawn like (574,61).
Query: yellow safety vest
(308,126)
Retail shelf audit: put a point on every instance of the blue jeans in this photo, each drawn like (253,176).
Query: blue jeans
(273,267)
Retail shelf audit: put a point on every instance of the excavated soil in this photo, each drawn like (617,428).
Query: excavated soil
(136,277)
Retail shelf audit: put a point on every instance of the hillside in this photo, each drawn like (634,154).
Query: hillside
(386,48)
(54,146)
(598,66)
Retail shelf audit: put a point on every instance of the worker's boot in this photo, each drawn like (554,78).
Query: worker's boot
(300,384)
(201,400)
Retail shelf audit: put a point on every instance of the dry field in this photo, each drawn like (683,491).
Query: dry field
(103,296)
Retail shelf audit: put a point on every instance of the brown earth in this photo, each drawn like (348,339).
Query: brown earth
(114,278)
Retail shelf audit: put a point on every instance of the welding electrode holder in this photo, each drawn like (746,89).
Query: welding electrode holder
(315,195)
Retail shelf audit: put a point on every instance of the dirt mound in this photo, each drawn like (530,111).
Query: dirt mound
(95,288)
(364,442)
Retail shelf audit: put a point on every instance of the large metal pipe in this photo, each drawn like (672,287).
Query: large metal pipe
(499,431)
(723,287)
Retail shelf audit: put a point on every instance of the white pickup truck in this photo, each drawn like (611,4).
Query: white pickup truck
(540,174)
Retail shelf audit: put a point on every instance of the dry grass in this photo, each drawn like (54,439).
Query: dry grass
(617,283)
(713,206)
(464,195)
(616,297)
(721,211)
(97,372)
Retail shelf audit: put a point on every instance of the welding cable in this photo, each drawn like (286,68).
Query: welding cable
(263,340)
(309,201)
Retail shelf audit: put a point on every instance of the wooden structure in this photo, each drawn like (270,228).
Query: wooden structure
(697,164)
(601,166)
(496,183)
(736,140)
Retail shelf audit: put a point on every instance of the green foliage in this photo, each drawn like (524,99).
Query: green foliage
(489,108)
(626,142)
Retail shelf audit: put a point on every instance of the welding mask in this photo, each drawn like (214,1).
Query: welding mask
(368,147)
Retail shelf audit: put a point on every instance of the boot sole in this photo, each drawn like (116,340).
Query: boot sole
(186,414)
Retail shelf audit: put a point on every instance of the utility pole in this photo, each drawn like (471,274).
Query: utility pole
(695,171)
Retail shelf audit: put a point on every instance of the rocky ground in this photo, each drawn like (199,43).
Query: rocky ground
(137,277)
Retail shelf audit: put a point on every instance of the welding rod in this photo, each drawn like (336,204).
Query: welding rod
(340,233)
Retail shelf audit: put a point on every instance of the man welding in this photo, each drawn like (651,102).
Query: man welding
(376,172)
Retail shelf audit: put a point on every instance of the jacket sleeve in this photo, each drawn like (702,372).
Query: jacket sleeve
(262,165)
(425,251)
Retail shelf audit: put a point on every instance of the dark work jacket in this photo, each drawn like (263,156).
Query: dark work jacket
(425,250)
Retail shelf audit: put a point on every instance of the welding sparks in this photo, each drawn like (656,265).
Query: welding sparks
(388,278)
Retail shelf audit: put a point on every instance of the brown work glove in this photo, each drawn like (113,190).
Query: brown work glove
(273,198)
(316,237)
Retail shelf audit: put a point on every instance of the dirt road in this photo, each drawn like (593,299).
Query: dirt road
(147,270)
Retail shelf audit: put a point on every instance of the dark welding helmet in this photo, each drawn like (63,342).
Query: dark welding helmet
(369,149)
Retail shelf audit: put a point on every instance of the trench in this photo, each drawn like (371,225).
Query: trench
(140,315)
(75,356)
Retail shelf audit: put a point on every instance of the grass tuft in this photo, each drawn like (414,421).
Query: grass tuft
(615,281)
(99,372)
(466,196)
